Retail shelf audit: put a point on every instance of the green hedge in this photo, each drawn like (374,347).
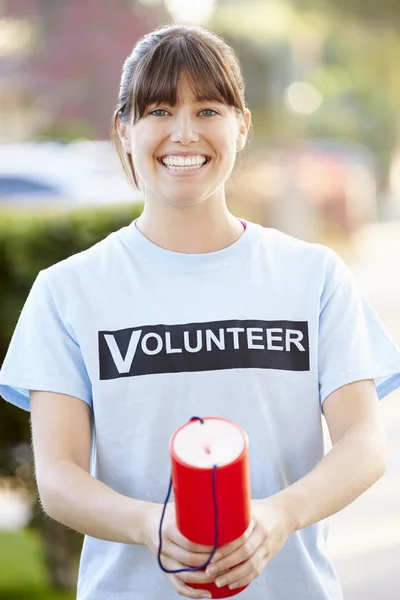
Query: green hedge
(23,573)
(31,241)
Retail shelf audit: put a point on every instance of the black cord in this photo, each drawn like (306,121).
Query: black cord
(214,488)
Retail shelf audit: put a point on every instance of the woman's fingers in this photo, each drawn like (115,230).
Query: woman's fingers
(184,556)
(180,540)
(181,559)
(198,577)
(179,582)
(246,573)
(178,553)
(236,544)
(185,590)
(238,556)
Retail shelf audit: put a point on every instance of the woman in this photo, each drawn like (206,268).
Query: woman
(190,311)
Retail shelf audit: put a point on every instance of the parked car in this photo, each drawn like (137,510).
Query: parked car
(79,173)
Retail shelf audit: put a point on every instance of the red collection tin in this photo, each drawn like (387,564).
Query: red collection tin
(193,485)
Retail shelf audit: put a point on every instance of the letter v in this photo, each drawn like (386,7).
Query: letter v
(123,364)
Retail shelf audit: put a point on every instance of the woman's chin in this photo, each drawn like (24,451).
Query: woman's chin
(184,200)
(186,203)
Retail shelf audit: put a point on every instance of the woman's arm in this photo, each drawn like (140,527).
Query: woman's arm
(61,434)
(61,428)
(356,461)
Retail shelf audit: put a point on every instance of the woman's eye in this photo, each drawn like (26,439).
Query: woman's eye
(210,110)
(161,110)
(158,111)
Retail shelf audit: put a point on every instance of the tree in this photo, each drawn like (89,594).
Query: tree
(367,11)
(74,69)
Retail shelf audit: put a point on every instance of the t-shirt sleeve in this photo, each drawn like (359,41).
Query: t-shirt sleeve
(43,353)
(353,343)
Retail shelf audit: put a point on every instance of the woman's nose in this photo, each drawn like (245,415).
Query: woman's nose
(184,131)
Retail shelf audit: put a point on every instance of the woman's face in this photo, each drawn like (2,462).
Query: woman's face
(203,130)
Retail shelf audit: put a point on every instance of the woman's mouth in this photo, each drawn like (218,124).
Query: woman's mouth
(180,171)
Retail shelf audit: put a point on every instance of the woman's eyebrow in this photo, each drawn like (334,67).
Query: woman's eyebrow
(199,100)
(194,102)
(202,100)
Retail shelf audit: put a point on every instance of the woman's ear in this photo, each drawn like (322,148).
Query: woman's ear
(244,125)
(123,131)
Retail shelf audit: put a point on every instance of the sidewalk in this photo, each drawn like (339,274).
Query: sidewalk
(365,537)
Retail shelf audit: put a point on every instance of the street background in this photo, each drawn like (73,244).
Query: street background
(365,537)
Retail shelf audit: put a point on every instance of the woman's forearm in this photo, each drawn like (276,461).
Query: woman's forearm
(353,465)
(73,497)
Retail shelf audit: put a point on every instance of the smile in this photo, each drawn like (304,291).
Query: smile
(182,171)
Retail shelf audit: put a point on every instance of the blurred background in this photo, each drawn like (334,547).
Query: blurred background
(323,84)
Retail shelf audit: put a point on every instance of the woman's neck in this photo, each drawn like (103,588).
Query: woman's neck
(191,230)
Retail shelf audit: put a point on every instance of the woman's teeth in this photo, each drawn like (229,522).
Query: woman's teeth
(182,163)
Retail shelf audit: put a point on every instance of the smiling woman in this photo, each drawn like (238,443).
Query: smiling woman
(151,74)
(192,311)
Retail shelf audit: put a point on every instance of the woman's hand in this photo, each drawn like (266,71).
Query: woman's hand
(177,551)
(246,557)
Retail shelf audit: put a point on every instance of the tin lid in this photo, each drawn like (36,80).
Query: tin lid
(213,442)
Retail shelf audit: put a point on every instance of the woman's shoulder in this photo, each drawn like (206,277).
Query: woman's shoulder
(86,262)
(285,246)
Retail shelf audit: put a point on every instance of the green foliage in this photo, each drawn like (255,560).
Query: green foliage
(30,242)
(23,574)
(348,49)
(21,560)
(36,593)
(385,11)
(69,130)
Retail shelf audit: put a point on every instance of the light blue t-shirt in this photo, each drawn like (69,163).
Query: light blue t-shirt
(260,333)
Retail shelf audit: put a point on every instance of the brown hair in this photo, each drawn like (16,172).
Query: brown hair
(151,73)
